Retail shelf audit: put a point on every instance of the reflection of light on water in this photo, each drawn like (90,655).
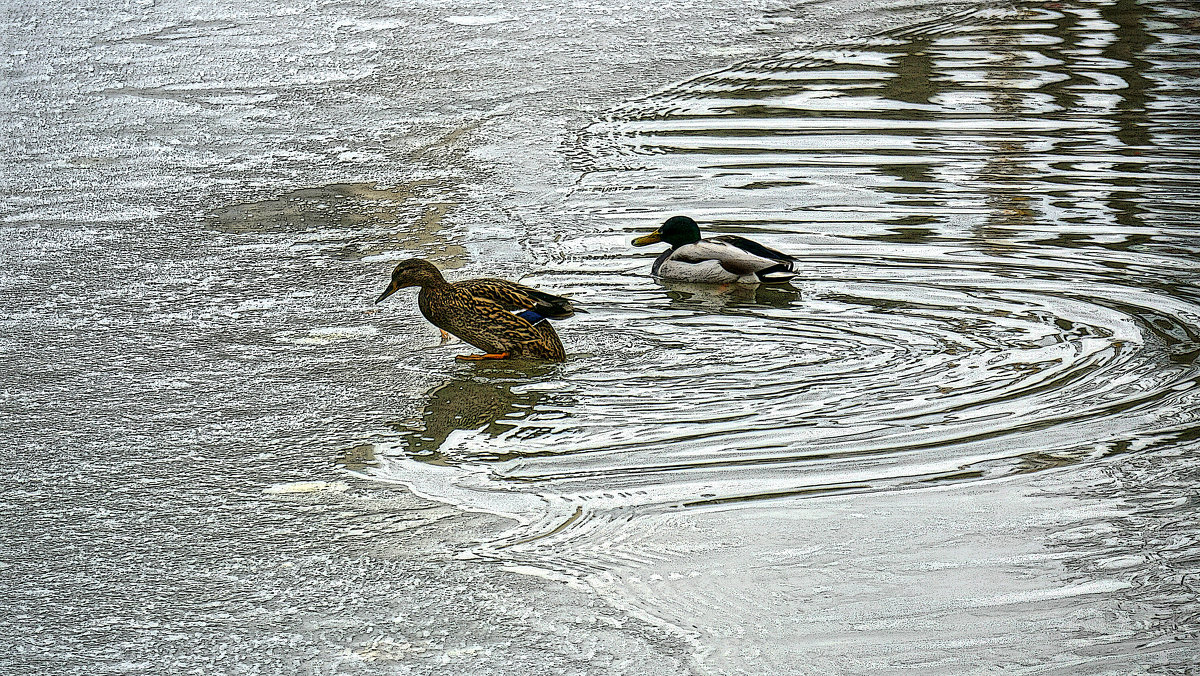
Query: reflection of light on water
(306,487)
(326,335)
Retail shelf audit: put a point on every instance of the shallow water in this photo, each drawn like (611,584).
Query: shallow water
(965,440)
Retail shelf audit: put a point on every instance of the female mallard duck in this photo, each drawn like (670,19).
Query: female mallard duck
(502,318)
(715,260)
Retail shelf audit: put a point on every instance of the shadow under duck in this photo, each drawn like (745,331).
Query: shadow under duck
(722,259)
(502,318)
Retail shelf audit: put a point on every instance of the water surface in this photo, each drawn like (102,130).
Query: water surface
(997,313)
(965,440)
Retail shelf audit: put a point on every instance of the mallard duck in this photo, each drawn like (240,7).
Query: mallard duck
(502,318)
(715,260)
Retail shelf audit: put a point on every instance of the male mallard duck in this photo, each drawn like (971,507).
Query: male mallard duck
(715,260)
(502,318)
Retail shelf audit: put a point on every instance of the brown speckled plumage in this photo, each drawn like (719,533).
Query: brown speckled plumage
(481,311)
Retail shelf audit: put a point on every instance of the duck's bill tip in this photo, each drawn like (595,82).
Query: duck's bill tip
(652,238)
(387,292)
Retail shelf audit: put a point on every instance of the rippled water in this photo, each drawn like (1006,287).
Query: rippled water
(964,441)
(996,217)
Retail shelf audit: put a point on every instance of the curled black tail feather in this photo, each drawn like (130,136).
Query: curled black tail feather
(776,274)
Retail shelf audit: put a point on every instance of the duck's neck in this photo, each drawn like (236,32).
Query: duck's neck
(434,282)
(435,292)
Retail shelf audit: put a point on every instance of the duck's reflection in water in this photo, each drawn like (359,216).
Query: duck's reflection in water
(486,401)
(720,297)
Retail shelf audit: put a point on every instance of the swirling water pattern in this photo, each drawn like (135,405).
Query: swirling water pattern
(996,269)
(996,218)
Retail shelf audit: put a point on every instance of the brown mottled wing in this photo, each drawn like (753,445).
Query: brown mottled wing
(489,326)
(515,297)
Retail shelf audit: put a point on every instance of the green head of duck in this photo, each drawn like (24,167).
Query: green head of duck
(676,231)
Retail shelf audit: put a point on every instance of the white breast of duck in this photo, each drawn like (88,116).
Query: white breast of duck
(723,260)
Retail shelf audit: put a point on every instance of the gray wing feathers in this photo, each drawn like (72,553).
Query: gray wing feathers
(731,257)
(757,249)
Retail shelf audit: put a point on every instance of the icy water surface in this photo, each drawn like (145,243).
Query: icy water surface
(964,441)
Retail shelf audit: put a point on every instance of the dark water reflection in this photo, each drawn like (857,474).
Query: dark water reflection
(730,296)
(480,405)
(354,221)
(996,217)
